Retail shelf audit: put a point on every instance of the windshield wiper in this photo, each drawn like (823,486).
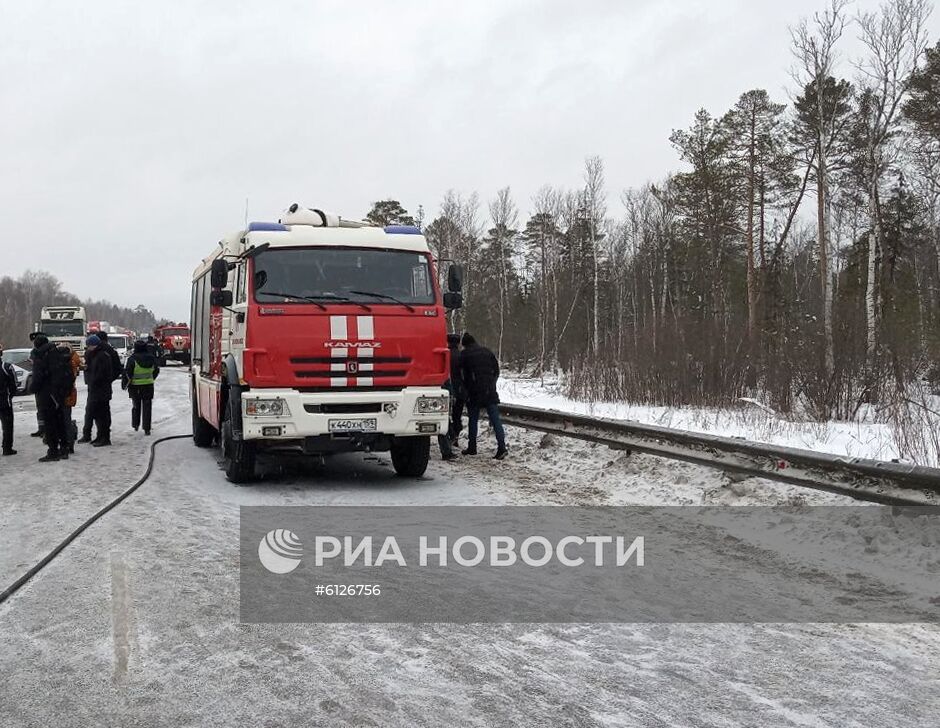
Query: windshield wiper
(307,299)
(344,299)
(386,297)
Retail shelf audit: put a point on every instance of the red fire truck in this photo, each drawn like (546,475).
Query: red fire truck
(174,343)
(320,335)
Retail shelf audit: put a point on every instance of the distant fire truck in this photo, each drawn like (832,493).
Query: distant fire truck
(174,343)
(320,335)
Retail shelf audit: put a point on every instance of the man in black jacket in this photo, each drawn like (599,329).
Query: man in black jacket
(99,374)
(479,371)
(140,372)
(40,426)
(7,390)
(117,371)
(458,393)
(52,381)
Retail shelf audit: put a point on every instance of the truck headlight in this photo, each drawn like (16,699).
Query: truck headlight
(432,405)
(266,407)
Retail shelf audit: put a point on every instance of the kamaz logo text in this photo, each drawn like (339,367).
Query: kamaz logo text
(352,344)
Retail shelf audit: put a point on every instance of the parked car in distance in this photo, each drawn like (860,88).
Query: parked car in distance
(23,367)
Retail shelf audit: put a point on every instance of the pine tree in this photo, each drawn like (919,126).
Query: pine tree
(389,212)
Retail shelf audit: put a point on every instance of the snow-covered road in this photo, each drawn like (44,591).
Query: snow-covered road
(136,623)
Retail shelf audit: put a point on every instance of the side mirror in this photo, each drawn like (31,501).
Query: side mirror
(220,298)
(453,300)
(455,279)
(218,278)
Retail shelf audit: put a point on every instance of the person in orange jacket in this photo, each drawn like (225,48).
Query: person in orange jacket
(75,361)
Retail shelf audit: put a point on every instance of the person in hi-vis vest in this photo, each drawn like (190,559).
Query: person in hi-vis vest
(140,372)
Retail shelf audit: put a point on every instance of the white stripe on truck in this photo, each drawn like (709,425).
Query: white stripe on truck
(338,330)
(365,327)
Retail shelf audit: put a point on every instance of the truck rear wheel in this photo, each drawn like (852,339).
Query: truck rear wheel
(203,432)
(238,455)
(410,455)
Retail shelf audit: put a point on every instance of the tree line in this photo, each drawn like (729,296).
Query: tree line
(24,297)
(794,256)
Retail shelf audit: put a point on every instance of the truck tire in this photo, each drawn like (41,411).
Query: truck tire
(238,455)
(410,455)
(203,432)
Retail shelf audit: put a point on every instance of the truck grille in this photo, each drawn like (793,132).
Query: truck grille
(343,359)
(343,409)
(378,368)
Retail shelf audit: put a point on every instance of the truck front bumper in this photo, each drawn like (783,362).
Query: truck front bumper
(313,414)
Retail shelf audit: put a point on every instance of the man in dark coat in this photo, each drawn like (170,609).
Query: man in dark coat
(458,393)
(98,377)
(140,372)
(40,427)
(52,382)
(7,390)
(117,371)
(479,371)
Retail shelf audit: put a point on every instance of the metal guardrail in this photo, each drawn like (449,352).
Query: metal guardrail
(888,483)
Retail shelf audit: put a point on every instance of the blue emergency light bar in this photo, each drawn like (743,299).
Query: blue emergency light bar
(266,227)
(402,230)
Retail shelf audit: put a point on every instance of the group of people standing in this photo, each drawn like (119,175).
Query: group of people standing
(474,371)
(55,369)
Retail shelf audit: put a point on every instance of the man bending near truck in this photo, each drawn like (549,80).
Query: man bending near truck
(479,371)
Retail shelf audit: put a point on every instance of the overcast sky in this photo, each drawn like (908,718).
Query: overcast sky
(132,133)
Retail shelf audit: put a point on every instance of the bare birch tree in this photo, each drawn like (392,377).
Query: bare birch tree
(813,45)
(596,209)
(895,39)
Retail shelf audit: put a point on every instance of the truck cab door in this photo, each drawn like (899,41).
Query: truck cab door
(234,323)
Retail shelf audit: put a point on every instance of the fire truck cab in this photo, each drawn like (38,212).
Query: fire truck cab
(173,341)
(320,335)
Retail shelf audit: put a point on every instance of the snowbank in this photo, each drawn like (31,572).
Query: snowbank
(853,439)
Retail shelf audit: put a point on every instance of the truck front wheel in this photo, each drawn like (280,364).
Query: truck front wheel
(410,455)
(238,455)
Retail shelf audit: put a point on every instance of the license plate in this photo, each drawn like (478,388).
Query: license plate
(363,424)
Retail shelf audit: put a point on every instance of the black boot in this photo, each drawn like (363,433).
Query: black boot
(500,454)
(83,439)
(103,442)
(37,433)
(469,451)
(50,457)
(9,451)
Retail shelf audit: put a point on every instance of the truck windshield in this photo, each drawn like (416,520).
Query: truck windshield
(375,277)
(63,328)
(117,342)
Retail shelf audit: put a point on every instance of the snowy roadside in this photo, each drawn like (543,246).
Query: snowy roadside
(851,439)
(40,503)
(138,623)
